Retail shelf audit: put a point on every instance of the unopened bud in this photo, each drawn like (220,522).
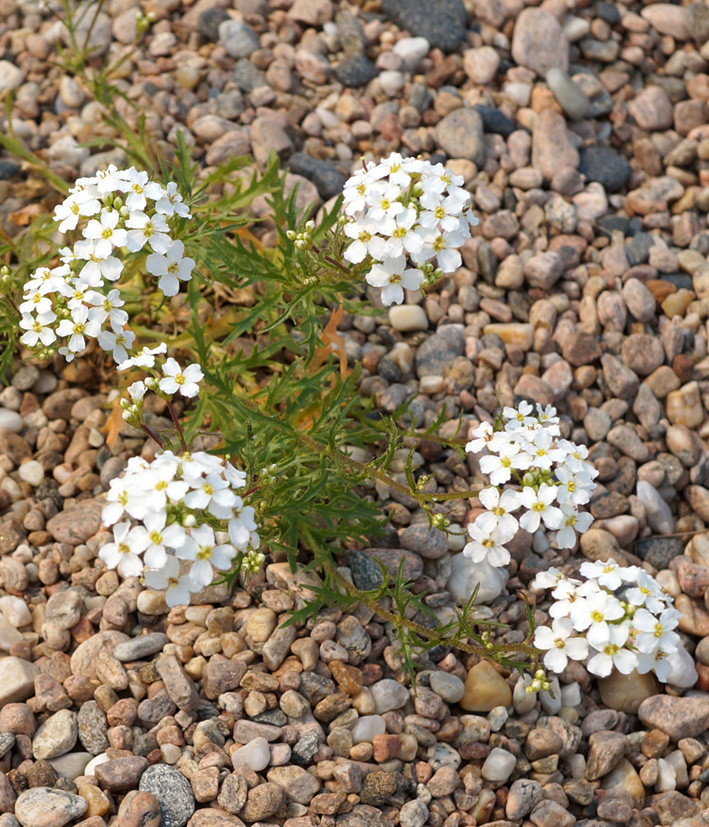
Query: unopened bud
(127,415)
(291,235)
(189,520)
(125,404)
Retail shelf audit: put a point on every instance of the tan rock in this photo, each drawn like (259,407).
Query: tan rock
(625,693)
(485,688)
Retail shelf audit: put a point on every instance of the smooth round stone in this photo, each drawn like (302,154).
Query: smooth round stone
(10,421)
(367,727)
(407,318)
(485,688)
(499,765)
(659,514)
(702,651)
(388,694)
(71,765)
(173,792)
(625,693)
(256,755)
(15,611)
(466,575)
(684,672)
(32,472)
(448,687)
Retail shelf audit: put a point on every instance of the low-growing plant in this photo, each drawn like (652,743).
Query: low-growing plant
(272,453)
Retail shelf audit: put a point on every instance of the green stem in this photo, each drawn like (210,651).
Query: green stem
(486,652)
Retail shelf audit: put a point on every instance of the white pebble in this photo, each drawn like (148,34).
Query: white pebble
(412,50)
(9,635)
(367,727)
(499,765)
(659,515)
(551,705)
(666,776)
(15,611)
(94,762)
(389,694)
(171,753)
(466,575)
(571,694)
(522,700)
(32,472)
(255,755)
(10,421)
(684,673)
(408,317)
(497,718)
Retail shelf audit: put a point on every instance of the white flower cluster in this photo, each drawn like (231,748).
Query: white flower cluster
(619,617)
(162,512)
(549,476)
(406,207)
(73,302)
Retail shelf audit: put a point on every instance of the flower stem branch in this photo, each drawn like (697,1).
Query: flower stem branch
(178,427)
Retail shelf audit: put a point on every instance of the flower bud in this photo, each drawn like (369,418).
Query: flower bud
(189,521)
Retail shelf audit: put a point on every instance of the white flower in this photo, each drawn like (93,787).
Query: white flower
(540,447)
(488,544)
(123,552)
(38,329)
(83,322)
(594,614)
(168,577)
(499,468)
(242,529)
(500,507)
(202,548)
(145,358)
(575,488)
(139,189)
(36,303)
(171,268)
(170,202)
(521,417)
(123,497)
(560,644)
(483,434)
(548,579)
(612,654)
(74,207)
(656,633)
(158,537)
(405,237)
(540,508)
(106,233)
(393,277)
(607,574)
(646,593)
(118,341)
(145,230)
(365,242)
(97,267)
(657,661)
(573,521)
(137,390)
(176,380)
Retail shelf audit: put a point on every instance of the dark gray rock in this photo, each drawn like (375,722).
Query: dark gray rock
(324,174)
(605,166)
(495,121)
(442,23)
(356,70)
(365,572)
(173,792)
(437,352)
(209,21)
(659,551)
(247,76)
(637,251)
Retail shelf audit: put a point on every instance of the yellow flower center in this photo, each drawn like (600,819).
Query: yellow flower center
(180,379)
(559,643)
(161,485)
(79,328)
(386,203)
(204,553)
(439,244)
(364,236)
(148,230)
(440,212)
(155,537)
(399,232)
(124,548)
(597,617)
(611,649)
(538,506)
(208,488)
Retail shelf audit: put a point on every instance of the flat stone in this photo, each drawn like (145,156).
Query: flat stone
(120,774)
(605,751)
(678,717)
(56,735)
(18,678)
(46,807)
(86,657)
(460,135)
(139,809)
(297,783)
(609,169)
(141,647)
(75,525)
(445,30)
